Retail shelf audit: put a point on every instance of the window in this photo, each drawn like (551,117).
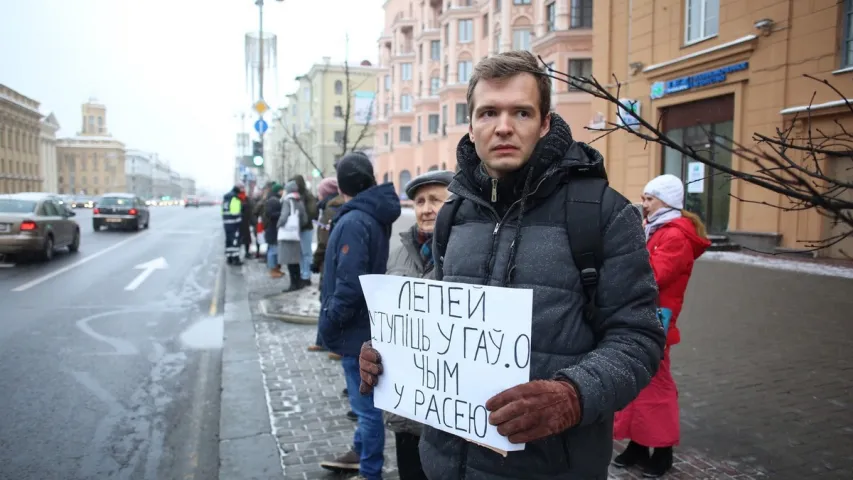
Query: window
(553,80)
(419,129)
(435,50)
(498,42)
(551,16)
(521,39)
(521,2)
(387,109)
(461,113)
(406,72)
(339,111)
(485,25)
(433,123)
(444,116)
(580,67)
(406,134)
(847,41)
(702,19)
(387,82)
(434,85)
(497,5)
(385,137)
(581,16)
(465,69)
(339,87)
(466,31)
(339,136)
(405,103)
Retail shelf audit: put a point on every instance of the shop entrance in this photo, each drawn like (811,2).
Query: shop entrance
(706,189)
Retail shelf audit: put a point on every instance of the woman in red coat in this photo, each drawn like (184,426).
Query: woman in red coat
(675,238)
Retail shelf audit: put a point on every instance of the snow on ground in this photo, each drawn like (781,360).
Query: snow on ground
(777,263)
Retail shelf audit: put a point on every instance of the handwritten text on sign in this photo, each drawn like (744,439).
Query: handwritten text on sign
(446,349)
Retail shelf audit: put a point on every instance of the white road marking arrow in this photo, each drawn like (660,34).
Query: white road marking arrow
(147,269)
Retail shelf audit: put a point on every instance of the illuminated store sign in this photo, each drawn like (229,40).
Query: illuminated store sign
(711,77)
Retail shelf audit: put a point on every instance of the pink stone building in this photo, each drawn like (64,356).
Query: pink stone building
(427,53)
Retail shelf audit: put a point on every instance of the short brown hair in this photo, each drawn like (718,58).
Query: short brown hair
(507,65)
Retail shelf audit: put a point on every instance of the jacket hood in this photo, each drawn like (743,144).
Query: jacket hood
(698,244)
(555,153)
(331,201)
(380,202)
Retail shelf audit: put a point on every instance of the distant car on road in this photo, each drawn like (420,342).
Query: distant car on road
(121,210)
(191,201)
(82,201)
(35,223)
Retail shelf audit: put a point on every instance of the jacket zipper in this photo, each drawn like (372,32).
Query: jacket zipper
(494,190)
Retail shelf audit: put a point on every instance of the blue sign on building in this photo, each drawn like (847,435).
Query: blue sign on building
(711,77)
(261,126)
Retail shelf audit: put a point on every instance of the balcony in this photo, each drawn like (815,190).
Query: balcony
(401,21)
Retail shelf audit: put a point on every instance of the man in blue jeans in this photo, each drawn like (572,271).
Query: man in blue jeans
(358,245)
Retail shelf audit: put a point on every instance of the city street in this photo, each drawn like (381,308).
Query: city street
(110,357)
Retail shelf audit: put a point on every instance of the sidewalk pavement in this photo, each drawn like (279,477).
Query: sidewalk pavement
(307,411)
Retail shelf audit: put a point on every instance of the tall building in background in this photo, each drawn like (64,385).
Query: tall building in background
(161,179)
(427,53)
(187,186)
(47,154)
(92,162)
(318,124)
(139,169)
(700,67)
(20,133)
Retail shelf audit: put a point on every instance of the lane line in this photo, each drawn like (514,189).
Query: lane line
(83,261)
(214,301)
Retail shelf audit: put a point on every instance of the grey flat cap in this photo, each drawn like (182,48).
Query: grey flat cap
(435,177)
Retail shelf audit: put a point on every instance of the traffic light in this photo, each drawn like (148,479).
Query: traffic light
(258,153)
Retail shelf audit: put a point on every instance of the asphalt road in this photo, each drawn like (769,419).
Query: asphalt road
(103,376)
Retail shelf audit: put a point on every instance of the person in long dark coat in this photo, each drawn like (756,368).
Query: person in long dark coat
(245,222)
(272,212)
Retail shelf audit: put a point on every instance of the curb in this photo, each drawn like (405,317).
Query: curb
(297,319)
(248,448)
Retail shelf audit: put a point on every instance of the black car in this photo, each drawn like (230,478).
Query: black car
(120,210)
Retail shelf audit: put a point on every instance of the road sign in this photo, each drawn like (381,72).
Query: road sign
(261,126)
(261,107)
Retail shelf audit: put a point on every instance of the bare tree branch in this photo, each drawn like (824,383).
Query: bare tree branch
(349,113)
(291,134)
(788,164)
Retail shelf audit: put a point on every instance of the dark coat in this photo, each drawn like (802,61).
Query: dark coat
(246,222)
(272,212)
(358,245)
(609,359)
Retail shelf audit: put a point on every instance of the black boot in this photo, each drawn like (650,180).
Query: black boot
(659,463)
(634,454)
(295,279)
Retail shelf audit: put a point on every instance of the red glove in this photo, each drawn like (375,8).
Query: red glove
(535,410)
(370,366)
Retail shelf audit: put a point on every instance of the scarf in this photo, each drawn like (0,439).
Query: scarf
(659,219)
(425,240)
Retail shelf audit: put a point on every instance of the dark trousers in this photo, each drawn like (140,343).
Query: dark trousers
(294,272)
(408,457)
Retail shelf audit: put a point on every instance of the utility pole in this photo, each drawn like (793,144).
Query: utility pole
(260,4)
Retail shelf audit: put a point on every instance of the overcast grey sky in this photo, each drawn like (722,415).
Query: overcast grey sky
(171,72)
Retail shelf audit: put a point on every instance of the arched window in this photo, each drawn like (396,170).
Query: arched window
(385,178)
(405,178)
(339,87)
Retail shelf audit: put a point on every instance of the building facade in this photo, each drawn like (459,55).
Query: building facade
(187,186)
(733,69)
(174,185)
(20,138)
(427,54)
(332,111)
(92,162)
(47,154)
(161,184)
(139,172)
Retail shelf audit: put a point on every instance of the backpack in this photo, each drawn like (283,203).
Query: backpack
(583,201)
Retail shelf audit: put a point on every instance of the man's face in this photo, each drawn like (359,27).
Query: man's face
(428,201)
(506,123)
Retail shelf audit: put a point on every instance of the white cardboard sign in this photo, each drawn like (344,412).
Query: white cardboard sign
(446,349)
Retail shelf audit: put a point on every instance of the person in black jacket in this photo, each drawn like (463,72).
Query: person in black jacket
(272,212)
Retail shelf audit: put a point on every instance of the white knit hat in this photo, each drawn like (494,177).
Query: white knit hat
(668,189)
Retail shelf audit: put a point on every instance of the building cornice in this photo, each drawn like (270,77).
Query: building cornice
(742,45)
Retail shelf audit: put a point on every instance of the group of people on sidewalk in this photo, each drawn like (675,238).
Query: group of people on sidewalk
(528,207)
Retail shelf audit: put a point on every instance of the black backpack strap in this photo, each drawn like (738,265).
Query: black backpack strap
(441,233)
(584,225)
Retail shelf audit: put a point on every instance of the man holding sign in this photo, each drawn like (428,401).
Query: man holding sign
(532,211)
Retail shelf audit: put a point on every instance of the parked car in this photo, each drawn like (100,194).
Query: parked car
(121,210)
(35,223)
